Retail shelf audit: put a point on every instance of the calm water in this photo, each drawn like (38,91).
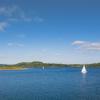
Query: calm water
(50,84)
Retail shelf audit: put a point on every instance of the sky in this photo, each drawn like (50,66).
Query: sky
(53,31)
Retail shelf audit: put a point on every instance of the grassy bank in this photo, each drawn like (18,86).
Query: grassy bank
(11,68)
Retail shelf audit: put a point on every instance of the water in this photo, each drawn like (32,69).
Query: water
(50,84)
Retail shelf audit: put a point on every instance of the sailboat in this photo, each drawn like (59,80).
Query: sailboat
(84,70)
(43,67)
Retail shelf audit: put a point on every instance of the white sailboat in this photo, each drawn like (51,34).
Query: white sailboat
(43,67)
(84,70)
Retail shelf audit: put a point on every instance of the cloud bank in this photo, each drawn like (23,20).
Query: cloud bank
(87,45)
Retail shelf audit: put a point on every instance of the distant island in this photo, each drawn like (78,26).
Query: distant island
(38,64)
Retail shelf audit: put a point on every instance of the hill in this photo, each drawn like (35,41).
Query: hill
(37,64)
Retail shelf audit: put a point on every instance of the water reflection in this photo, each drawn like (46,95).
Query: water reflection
(83,86)
(84,75)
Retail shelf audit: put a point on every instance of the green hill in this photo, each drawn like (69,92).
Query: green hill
(36,64)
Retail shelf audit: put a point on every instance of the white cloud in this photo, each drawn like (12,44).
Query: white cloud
(87,45)
(15,44)
(3,25)
(78,42)
(14,13)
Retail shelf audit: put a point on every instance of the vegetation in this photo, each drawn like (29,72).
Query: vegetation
(94,65)
(11,67)
(40,64)
(37,64)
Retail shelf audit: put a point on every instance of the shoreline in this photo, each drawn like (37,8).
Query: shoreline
(13,68)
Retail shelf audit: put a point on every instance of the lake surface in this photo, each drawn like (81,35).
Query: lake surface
(50,84)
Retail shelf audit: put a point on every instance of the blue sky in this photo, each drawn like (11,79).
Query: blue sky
(55,31)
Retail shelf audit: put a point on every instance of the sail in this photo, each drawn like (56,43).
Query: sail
(43,67)
(84,69)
